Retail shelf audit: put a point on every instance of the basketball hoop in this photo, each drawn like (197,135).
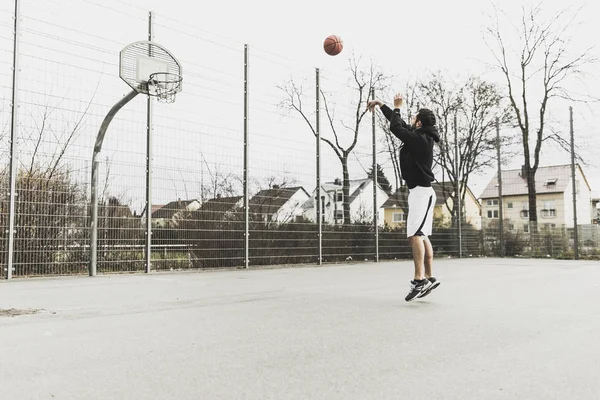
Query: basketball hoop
(164,86)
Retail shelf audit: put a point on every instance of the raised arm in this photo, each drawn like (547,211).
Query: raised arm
(398,127)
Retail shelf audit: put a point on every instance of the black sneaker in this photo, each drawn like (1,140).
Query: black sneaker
(433,284)
(416,288)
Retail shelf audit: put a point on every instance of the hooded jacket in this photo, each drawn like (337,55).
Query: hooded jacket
(416,154)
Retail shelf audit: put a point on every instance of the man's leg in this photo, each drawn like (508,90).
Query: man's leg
(418,250)
(434,283)
(419,285)
(428,258)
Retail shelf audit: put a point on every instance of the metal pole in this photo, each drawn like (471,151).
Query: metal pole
(13,144)
(318,202)
(500,199)
(246,183)
(94,219)
(457,188)
(375,181)
(94,192)
(148,247)
(575,227)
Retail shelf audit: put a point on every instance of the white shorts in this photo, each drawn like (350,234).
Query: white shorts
(421,201)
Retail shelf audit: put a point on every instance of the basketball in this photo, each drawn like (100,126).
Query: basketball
(333,45)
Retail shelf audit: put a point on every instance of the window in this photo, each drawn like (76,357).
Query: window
(548,209)
(339,197)
(493,202)
(525,209)
(339,214)
(398,217)
(551,182)
(492,214)
(511,227)
(526,228)
(509,205)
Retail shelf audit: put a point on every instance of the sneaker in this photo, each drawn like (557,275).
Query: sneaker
(433,284)
(416,288)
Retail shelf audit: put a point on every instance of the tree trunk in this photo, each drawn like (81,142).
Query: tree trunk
(346,189)
(533,216)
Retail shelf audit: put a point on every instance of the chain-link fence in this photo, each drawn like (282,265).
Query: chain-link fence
(262,159)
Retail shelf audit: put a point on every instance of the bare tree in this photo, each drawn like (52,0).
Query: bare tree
(464,149)
(536,73)
(362,81)
(392,145)
(50,200)
(466,112)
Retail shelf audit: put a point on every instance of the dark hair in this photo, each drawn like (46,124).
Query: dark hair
(426,116)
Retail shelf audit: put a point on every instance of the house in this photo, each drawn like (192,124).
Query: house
(554,198)
(360,200)
(169,214)
(595,209)
(221,209)
(155,207)
(278,205)
(395,214)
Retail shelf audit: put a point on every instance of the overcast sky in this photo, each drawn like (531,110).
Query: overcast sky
(407,39)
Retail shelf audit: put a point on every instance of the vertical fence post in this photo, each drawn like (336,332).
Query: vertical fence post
(93,265)
(318,203)
(500,199)
(573,182)
(148,249)
(246,183)
(375,181)
(13,144)
(457,188)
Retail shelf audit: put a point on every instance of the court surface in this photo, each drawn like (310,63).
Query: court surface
(494,329)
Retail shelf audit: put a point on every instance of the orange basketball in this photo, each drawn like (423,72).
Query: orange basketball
(333,45)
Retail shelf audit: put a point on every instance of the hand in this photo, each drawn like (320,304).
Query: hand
(398,100)
(371,104)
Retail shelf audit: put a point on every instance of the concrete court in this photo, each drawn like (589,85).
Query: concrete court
(495,329)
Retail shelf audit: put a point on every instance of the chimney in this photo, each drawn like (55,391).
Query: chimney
(276,186)
(218,195)
(524,172)
(337,181)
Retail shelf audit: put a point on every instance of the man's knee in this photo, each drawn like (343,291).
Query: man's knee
(415,239)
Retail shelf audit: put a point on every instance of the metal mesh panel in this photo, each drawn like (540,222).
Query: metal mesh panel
(69,81)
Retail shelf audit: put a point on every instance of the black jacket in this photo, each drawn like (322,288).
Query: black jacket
(416,154)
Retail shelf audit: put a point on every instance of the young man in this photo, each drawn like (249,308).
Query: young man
(416,159)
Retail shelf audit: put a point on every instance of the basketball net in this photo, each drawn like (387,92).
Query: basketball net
(163,86)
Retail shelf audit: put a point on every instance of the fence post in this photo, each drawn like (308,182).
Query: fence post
(318,172)
(375,181)
(457,189)
(246,200)
(500,199)
(149,167)
(13,144)
(573,181)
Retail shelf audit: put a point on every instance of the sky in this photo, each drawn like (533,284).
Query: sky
(72,55)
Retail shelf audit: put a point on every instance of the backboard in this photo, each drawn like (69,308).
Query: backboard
(139,60)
